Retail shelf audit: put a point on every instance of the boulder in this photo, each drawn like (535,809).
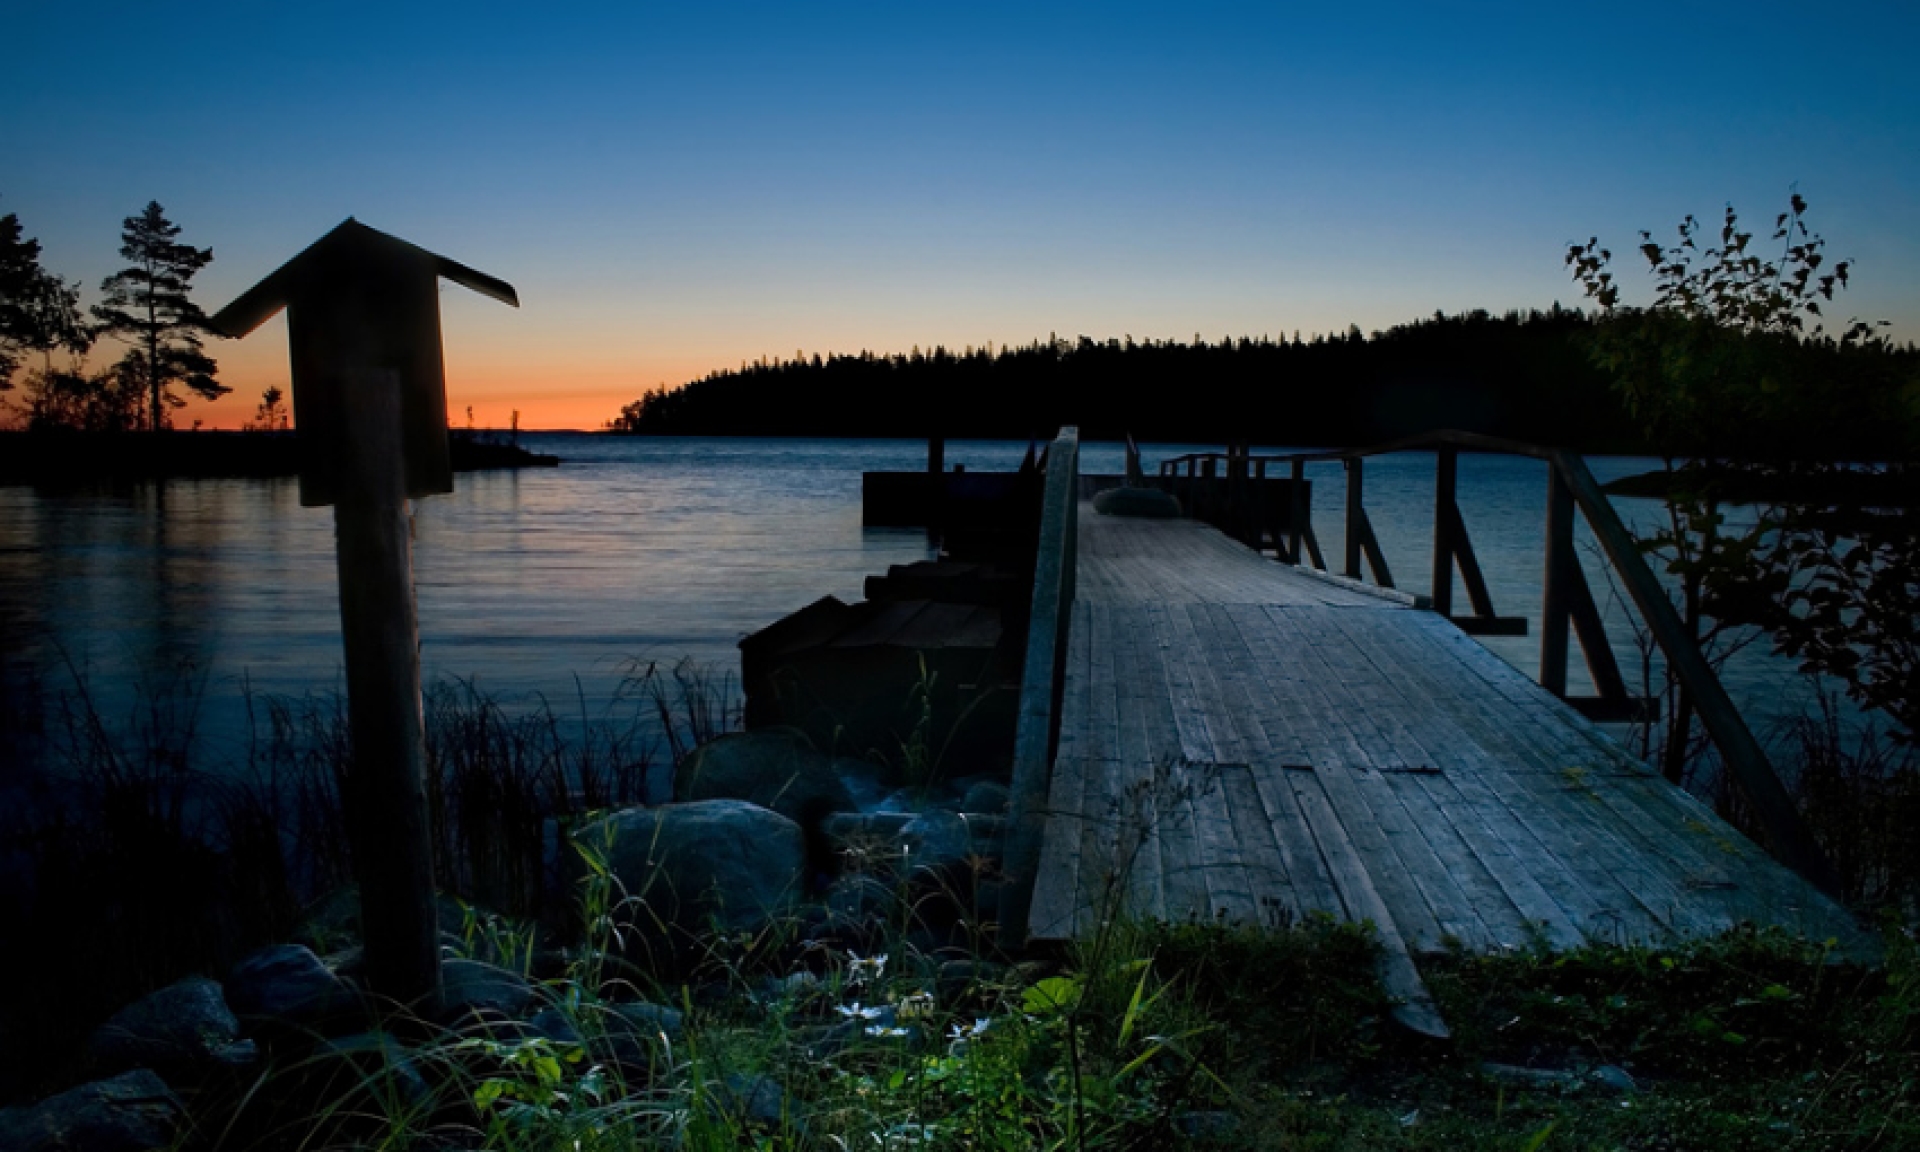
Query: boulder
(1146,503)
(469,986)
(776,770)
(132,1112)
(863,841)
(287,984)
(987,798)
(651,1019)
(865,782)
(182,1029)
(694,865)
(934,840)
(556,1026)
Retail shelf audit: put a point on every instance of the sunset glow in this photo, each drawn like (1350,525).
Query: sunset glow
(674,192)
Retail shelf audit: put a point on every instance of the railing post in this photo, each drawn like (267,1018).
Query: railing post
(1297,512)
(1445,477)
(1790,839)
(1355,513)
(1555,608)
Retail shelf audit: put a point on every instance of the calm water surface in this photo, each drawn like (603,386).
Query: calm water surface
(545,582)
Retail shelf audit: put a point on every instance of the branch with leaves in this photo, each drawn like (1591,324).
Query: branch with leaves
(1732,374)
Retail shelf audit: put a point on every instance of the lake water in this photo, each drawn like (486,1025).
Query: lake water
(548,582)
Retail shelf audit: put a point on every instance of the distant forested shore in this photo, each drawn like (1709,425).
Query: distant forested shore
(65,456)
(1525,375)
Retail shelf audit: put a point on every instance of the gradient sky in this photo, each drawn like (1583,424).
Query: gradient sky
(676,189)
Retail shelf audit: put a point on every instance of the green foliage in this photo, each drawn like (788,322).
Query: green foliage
(1734,378)
(147,305)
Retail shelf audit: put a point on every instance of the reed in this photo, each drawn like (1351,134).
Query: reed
(136,828)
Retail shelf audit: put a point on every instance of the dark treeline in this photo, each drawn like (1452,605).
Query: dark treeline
(1525,375)
(1522,375)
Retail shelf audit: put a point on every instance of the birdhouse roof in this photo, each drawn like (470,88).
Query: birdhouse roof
(319,268)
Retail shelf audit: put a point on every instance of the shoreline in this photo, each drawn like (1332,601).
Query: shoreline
(64,457)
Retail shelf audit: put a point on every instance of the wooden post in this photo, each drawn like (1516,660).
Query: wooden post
(370,406)
(1298,511)
(1355,512)
(936,488)
(1043,676)
(1445,477)
(387,813)
(1554,602)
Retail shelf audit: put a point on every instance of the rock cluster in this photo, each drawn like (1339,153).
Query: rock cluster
(766,833)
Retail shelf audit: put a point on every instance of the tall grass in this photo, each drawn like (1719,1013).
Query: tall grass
(132,852)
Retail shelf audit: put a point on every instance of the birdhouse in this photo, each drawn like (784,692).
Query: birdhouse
(359,299)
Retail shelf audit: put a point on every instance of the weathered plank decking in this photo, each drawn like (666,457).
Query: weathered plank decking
(1240,741)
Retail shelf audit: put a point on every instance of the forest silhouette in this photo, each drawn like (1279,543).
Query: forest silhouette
(1525,375)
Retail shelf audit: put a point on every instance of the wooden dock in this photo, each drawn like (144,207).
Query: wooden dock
(1241,740)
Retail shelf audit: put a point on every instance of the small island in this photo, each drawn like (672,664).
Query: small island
(59,456)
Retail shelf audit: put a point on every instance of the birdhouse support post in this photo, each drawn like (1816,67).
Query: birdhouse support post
(387,778)
(370,403)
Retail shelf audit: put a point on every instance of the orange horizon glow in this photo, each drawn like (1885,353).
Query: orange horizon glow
(548,395)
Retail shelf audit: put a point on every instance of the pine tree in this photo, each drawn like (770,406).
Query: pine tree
(38,310)
(147,306)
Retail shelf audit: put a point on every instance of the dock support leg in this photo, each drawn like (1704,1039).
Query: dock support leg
(1446,473)
(1555,602)
(1356,513)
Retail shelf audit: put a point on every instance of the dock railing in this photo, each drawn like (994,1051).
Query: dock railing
(1567,600)
(1037,730)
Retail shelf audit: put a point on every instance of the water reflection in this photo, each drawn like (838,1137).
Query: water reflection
(635,549)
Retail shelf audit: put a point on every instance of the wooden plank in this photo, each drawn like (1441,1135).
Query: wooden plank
(1228,882)
(1685,840)
(1398,973)
(1286,830)
(1133,810)
(1537,886)
(1077,731)
(1182,873)
(1562,829)
(1390,712)
(1331,750)
(1276,897)
(1364,595)
(1438,865)
(1559,780)
(1056,887)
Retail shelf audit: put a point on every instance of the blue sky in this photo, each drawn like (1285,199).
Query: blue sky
(677,189)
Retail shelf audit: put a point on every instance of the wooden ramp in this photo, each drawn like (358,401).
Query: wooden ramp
(1240,741)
